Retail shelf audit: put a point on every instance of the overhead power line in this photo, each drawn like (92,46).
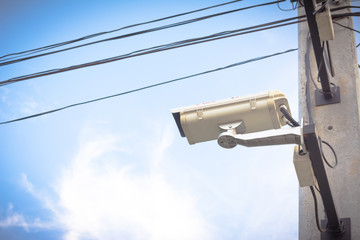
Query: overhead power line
(174,45)
(7,61)
(149,86)
(45,48)
(115,30)
(352,29)
(188,42)
(160,48)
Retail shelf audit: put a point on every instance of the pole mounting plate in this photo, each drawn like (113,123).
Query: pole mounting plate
(331,236)
(320,100)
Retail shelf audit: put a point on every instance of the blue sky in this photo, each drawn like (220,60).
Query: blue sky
(118,169)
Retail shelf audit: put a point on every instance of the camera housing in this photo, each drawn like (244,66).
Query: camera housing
(253,113)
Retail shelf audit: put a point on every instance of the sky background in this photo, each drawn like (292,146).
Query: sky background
(118,168)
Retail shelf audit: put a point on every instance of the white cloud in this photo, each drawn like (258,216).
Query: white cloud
(13,219)
(105,193)
(161,146)
(102,200)
(42,197)
(4,94)
(29,107)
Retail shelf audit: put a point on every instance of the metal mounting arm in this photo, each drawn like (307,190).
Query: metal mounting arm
(230,138)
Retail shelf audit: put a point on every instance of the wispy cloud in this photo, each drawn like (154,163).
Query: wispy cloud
(14,219)
(4,91)
(29,107)
(108,203)
(42,197)
(160,146)
(106,194)
(102,200)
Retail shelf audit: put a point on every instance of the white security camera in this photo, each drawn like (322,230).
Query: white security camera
(242,115)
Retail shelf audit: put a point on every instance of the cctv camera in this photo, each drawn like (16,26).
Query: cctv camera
(206,121)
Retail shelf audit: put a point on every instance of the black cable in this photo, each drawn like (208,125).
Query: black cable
(174,45)
(150,86)
(3,63)
(160,48)
(289,124)
(342,8)
(286,10)
(329,58)
(294,123)
(316,211)
(342,15)
(323,5)
(309,77)
(308,71)
(346,27)
(323,155)
(288,116)
(321,65)
(316,187)
(115,30)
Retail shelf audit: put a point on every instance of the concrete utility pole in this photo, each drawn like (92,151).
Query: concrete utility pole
(338,124)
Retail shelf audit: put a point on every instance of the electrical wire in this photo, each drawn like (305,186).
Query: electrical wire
(342,15)
(307,61)
(115,30)
(323,155)
(188,42)
(4,62)
(323,5)
(342,8)
(160,48)
(294,7)
(308,71)
(32,51)
(288,116)
(328,59)
(150,86)
(294,123)
(309,77)
(177,24)
(346,27)
(316,211)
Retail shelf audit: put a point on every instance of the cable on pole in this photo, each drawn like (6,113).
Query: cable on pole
(316,211)
(323,155)
(352,29)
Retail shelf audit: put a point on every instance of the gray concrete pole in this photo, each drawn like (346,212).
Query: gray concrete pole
(338,124)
